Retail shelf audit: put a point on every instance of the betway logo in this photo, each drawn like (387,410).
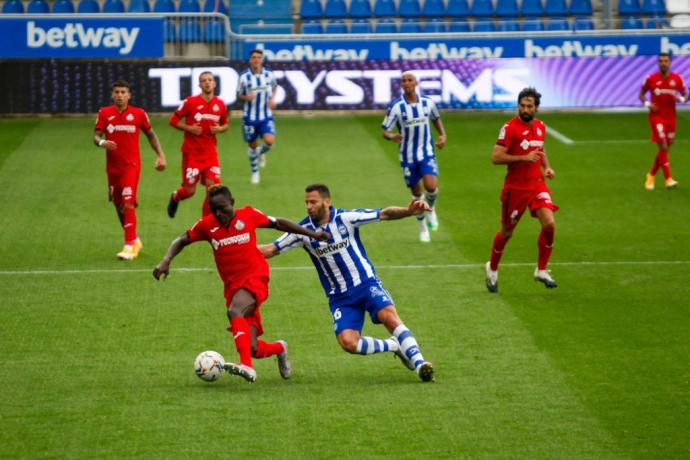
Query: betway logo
(332,248)
(575,48)
(308,53)
(77,36)
(443,51)
(242,238)
(667,46)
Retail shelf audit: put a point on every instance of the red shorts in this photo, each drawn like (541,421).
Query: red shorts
(200,166)
(123,185)
(514,202)
(258,286)
(663,130)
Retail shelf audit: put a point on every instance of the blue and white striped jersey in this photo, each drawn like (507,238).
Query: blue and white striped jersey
(412,121)
(263,85)
(341,262)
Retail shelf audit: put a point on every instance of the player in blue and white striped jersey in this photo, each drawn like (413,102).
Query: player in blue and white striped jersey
(349,279)
(410,115)
(257,88)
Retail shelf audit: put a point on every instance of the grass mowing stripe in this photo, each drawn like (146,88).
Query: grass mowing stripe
(12,133)
(559,136)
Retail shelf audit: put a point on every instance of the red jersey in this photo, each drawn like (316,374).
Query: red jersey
(234,247)
(196,111)
(665,91)
(123,129)
(520,138)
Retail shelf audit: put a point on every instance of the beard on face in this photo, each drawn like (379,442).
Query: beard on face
(526,117)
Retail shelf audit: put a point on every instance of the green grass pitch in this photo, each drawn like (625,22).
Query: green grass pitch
(96,356)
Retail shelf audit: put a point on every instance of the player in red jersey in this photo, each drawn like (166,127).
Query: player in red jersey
(666,89)
(201,117)
(244,271)
(117,131)
(520,146)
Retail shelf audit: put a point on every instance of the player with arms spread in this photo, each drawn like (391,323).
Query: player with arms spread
(117,131)
(667,88)
(200,117)
(244,271)
(349,278)
(520,146)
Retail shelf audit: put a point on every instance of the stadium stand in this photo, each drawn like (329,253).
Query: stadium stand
(312,27)
(583,24)
(531,8)
(506,8)
(336,26)
(385,8)
(114,6)
(458,25)
(310,9)
(139,6)
(88,6)
(215,6)
(386,26)
(654,7)
(629,7)
(360,9)
(409,9)
(433,9)
(580,8)
(63,7)
(164,6)
(360,26)
(13,7)
(482,8)
(38,7)
(457,8)
(189,6)
(483,25)
(630,22)
(558,24)
(335,9)
(434,26)
(555,8)
(410,26)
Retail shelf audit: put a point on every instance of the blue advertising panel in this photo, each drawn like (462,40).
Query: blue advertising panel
(563,46)
(28,38)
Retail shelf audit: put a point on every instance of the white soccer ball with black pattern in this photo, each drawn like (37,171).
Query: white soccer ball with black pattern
(209,365)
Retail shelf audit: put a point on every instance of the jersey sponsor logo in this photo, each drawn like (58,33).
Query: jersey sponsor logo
(206,116)
(525,144)
(126,128)
(414,122)
(331,248)
(74,35)
(239,225)
(660,91)
(242,238)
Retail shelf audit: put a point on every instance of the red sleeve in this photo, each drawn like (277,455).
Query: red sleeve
(260,219)
(100,122)
(681,83)
(198,231)
(504,136)
(145,123)
(179,114)
(645,85)
(224,115)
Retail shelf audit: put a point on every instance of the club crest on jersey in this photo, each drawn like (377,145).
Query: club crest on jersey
(239,225)
(215,108)
(342,230)
(673,83)
(377,291)
(129,117)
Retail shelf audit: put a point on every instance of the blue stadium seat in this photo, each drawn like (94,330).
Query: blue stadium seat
(386,26)
(457,8)
(139,6)
(409,8)
(12,7)
(88,6)
(506,8)
(113,6)
(555,8)
(631,22)
(580,8)
(629,7)
(410,26)
(336,26)
(482,8)
(433,9)
(215,6)
(654,7)
(188,6)
(38,7)
(360,9)
(531,8)
(483,25)
(656,23)
(434,26)
(312,28)
(583,24)
(190,31)
(169,31)
(385,8)
(63,6)
(311,9)
(532,25)
(509,25)
(558,24)
(214,31)
(164,6)
(360,26)
(459,25)
(335,9)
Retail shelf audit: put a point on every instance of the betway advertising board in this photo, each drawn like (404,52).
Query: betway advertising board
(28,38)
(473,48)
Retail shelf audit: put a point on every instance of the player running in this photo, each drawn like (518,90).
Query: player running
(232,235)
(201,117)
(117,131)
(666,88)
(520,146)
(349,278)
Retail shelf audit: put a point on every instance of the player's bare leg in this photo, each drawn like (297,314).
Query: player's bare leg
(185,191)
(545,244)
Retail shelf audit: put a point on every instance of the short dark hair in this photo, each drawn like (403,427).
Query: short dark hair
(120,84)
(206,72)
(219,189)
(321,188)
(256,50)
(530,92)
(668,55)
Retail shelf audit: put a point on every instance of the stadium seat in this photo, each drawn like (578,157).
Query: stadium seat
(335,9)
(558,24)
(12,7)
(532,25)
(190,31)
(139,6)
(360,9)
(482,9)
(385,8)
(336,26)
(433,9)
(164,6)
(214,31)
(483,25)
(311,9)
(457,9)
(508,25)
(215,6)
(312,28)
(188,6)
(113,6)
(386,26)
(459,25)
(360,26)
(409,9)
(654,7)
(555,8)
(88,6)
(506,8)
(631,22)
(583,24)
(580,8)
(410,26)
(434,26)
(169,31)
(38,7)
(63,7)
(629,7)
(656,23)
(531,8)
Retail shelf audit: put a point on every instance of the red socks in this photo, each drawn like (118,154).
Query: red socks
(545,244)
(497,251)
(265,349)
(243,341)
(129,223)
(181,194)
(205,209)
(661,161)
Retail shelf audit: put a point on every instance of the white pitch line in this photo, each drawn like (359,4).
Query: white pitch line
(383,267)
(560,136)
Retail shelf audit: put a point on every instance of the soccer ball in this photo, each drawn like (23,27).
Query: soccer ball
(209,365)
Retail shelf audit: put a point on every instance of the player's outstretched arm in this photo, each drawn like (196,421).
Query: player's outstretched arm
(178,244)
(161,163)
(415,208)
(285,225)
(268,250)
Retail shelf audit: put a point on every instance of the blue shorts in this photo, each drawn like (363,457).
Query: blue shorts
(252,130)
(413,172)
(348,309)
